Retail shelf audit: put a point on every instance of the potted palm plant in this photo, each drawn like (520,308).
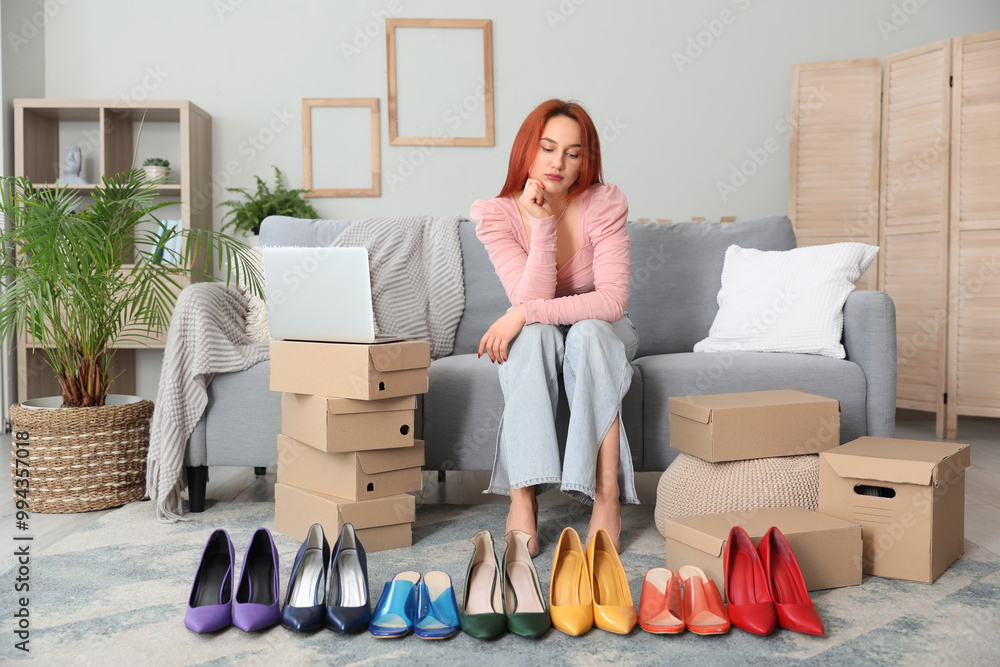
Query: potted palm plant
(83,281)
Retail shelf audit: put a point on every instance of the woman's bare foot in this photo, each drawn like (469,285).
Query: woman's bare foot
(523,515)
(607,514)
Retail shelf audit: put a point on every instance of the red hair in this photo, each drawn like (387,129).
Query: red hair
(525,147)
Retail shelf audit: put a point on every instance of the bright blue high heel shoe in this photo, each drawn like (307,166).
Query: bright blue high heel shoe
(437,609)
(396,608)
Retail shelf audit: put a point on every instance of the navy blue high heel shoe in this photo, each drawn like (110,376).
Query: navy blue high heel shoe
(306,594)
(348,606)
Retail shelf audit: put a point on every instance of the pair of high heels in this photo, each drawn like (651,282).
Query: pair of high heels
(765,587)
(211,605)
(508,597)
(663,609)
(334,595)
(424,605)
(589,589)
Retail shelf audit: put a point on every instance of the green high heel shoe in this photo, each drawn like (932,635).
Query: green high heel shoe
(482,613)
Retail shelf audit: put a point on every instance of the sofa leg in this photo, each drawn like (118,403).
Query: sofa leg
(197,481)
(260,471)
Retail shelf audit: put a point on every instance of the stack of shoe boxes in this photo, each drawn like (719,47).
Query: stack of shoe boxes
(723,428)
(886,506)
(346,452)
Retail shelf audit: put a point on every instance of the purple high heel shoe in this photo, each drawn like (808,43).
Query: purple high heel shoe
(256,606)
(210,606)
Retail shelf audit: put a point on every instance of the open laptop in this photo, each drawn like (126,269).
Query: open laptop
(321,294)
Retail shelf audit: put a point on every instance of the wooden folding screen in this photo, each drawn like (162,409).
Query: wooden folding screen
(934,208)
(913,259)
(974,288)
(834,176)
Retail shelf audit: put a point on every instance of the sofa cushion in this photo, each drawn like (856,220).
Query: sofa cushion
(280,230)
(462,410)
(677,273)
(693,374)
(485,299)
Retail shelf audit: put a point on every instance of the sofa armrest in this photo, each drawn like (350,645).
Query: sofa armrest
(870,342)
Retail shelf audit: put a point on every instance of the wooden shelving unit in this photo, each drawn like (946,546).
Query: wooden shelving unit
(110,128)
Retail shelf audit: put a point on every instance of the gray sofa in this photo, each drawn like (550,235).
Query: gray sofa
(676,271)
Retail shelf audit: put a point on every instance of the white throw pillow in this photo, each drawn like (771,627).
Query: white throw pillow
(786,301)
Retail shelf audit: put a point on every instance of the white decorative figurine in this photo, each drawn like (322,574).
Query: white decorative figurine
(71,168)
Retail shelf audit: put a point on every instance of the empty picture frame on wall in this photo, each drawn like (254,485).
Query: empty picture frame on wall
(338,158)
(440,82)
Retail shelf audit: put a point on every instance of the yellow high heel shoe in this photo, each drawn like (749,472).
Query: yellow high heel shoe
(614,610)
(571,599)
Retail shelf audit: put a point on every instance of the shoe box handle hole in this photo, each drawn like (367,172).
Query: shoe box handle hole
(404,429)
(874,491)
(381,386)
(371,487)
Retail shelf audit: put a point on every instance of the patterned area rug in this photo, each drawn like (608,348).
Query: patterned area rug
(115,593)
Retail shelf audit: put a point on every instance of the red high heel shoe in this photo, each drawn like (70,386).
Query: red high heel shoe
(794,607)
(751,607)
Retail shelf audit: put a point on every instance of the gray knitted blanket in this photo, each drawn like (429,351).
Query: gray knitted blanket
(207,335)
(418,283)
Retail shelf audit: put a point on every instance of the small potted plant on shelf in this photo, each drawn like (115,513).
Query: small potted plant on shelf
(246,214)
(156,168)
(81,283)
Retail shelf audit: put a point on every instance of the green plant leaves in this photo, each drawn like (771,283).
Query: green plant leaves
(84,281)
(247,213)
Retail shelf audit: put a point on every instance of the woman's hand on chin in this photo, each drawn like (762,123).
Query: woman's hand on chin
(533,199)
(496,341)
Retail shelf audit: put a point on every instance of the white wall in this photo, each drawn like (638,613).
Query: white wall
(249,63)
(672,132)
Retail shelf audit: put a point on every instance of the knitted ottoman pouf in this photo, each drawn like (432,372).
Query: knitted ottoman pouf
(693,486)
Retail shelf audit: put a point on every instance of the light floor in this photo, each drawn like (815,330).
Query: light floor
(982,488)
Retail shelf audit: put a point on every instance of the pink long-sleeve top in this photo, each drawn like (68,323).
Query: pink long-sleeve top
(593,284)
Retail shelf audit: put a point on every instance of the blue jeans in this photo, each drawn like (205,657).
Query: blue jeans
(593,357)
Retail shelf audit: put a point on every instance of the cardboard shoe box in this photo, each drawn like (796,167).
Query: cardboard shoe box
(827,549)
(753,425)
(346,424)
(351,475)
(384,523)
(908,496)
(350,370)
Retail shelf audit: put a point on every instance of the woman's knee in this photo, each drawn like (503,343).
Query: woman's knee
(591,332)
(537,335)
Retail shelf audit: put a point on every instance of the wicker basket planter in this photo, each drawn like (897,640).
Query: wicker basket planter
(80,459)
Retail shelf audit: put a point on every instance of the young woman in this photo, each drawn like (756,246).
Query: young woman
(556,236)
